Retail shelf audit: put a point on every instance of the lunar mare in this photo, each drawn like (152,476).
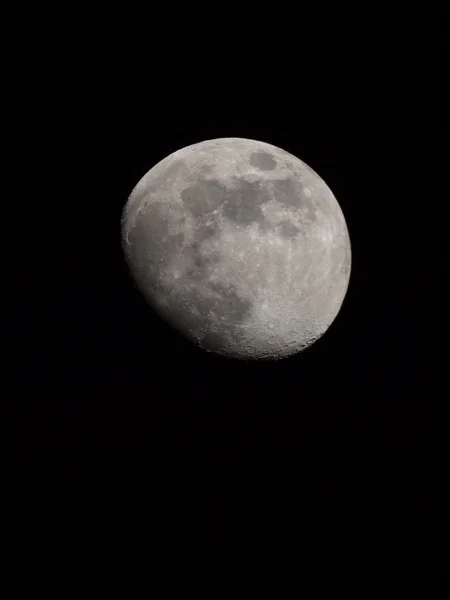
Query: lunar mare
(240,246)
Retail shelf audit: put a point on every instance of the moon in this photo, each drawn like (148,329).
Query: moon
(240,246)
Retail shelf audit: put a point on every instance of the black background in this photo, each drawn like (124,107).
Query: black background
(131,443)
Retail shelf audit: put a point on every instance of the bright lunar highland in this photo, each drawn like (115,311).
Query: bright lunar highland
(240,246)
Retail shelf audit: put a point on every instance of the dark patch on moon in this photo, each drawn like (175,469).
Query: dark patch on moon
(265,226)
(149,241)
(290,194)
(203,197)
(288,229)
(263,161)
(233,311)
(164,180)
(214,309)
(215,340)
(202,233)
(286,193)
(212,341)
(204,261)
(176,241)
(175,170)
(229,304)
(243,203)
(347,262)
(206,170)
(201,264)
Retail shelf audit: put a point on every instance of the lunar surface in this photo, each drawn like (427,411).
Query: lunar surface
(240,246)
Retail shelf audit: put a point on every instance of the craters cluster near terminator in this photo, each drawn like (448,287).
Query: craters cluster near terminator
(240,246)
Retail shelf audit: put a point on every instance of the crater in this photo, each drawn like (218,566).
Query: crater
(263,161)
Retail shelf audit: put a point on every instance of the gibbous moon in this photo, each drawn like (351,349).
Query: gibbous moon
(240,246)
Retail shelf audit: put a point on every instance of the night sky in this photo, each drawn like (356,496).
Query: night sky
(130,442)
